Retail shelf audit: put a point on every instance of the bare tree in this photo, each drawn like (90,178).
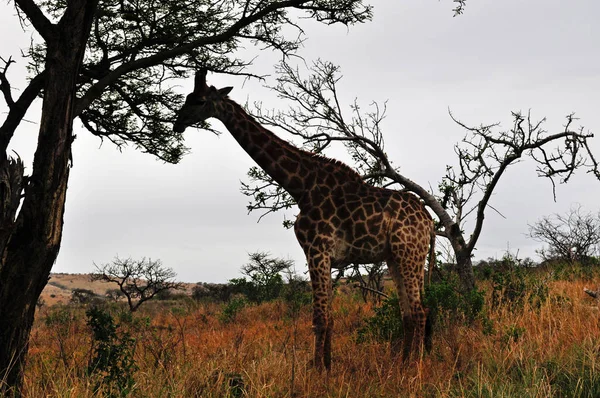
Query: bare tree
(573,236)
(138,280)
(463,196)
(115,65)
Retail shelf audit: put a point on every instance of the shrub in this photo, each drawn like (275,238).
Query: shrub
(444,299)
(112,359)
(444,302)
(513,281)
(385,324)
(296,293)
(232,308)
(215,292)
(85,296)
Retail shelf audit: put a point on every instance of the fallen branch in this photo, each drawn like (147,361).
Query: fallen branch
(592,293)
(372,290)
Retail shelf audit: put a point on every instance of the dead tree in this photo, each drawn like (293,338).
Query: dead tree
(573,236)
(319,119)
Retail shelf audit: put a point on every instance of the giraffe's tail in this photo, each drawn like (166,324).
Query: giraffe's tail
(431,263)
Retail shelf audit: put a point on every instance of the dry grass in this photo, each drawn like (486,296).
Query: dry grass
(188,351)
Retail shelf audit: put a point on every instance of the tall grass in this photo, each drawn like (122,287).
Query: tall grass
(536,349)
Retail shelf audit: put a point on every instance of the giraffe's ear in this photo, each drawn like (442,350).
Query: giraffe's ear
(224,91)
(200,81)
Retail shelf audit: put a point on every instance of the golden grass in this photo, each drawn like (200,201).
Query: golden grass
(188,351)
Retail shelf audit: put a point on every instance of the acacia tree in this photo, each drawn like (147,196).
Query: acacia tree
(113,64)
(138,280)
(265,274)
(317,116)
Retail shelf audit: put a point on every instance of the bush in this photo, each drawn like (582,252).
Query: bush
(215,292)
(232,308)
(385,324)
(85,296)
(265,282)
(112,360)
(565,271)
(296,293)
(513,282)
(442,298)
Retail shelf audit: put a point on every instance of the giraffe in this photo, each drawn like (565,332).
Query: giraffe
(342,219)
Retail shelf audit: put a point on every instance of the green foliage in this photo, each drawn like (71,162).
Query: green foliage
(138,50)
(264,282)
(385,324)
(232,308)
(443,298)
(565,271)
(112,361)
(514,281)
(445,303)
(512,334)
(582,379)
(59,317)
(213,292)
(296,294)
(575,376)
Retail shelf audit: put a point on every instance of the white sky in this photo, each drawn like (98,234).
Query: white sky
(496,58)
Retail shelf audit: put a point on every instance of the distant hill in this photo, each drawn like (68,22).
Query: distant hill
(61,286)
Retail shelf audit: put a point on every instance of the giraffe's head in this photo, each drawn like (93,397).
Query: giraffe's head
(202,103)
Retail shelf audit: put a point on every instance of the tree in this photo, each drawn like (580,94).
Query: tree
(265,280)
(574,236)
(114,65)
(318,118)
(138,280)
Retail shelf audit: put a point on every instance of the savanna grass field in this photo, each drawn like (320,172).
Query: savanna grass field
(527,332)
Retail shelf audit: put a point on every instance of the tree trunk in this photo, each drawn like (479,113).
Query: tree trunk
(31,246)
(464,265)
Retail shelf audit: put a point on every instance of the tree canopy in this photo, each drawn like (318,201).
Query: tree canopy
(138,52)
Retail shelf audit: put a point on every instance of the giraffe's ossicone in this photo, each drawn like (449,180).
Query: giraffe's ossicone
(342,219)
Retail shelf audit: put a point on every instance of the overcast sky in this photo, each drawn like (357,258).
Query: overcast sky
(500,56)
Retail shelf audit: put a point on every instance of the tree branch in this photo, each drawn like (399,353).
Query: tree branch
(37,18)
(19,109)
(98,88)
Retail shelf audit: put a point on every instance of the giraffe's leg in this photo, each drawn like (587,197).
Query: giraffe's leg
(320,276)
(413,278)
(407,320)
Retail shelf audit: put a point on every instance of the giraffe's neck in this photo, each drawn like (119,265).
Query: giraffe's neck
(293,169)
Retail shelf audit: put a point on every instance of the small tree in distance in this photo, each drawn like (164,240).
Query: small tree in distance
(573,236)
(138,280)
(265,280)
